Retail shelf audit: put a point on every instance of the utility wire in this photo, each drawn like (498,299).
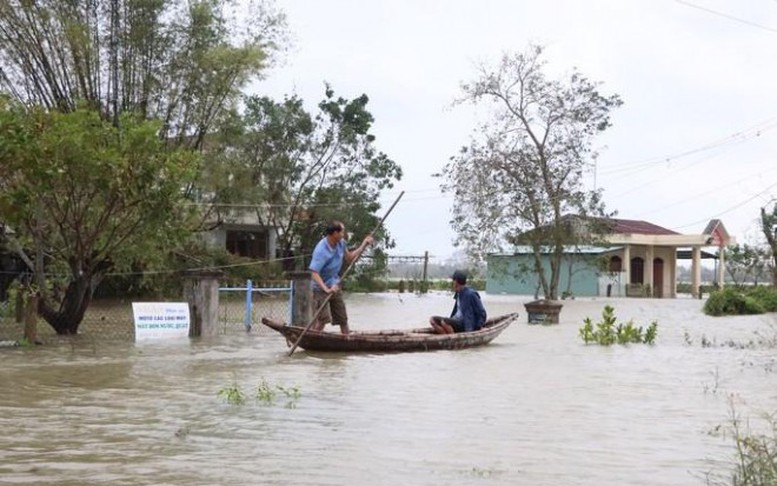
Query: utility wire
(734,138)
(714,189)
(725,15)
(738,205)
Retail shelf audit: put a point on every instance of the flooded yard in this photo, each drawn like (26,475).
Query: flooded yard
(536,406)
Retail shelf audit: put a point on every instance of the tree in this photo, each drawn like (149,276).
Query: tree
(746,263)
(297,171)
(769,229)
(90,197)
(179,61)
(523,170)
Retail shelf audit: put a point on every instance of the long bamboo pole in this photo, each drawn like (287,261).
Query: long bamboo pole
(342,277)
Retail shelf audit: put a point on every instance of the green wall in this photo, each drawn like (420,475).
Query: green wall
(514,274)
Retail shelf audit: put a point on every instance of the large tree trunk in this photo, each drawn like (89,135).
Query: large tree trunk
(78,295)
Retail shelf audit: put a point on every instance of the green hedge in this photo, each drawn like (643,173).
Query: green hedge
(740,301)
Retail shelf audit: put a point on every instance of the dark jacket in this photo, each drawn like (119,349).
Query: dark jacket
(473,314)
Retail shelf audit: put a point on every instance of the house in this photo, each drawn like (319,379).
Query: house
(240,232)
(635,258)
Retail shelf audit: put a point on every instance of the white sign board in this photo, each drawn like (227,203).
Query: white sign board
(160,320)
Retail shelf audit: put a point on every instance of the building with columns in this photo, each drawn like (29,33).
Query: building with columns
(635,258)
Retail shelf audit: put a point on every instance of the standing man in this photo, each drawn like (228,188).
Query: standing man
(325,266)
(468,312)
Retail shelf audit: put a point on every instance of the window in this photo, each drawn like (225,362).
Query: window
(251,244)
(616,264)
(637,270)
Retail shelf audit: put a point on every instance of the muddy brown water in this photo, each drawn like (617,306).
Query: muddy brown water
(536,406)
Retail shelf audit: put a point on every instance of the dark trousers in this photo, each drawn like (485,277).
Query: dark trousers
(456,324)
(333,312)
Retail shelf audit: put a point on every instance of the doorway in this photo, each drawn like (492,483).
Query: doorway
(658,278)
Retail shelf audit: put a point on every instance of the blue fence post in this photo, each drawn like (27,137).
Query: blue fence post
(249,303)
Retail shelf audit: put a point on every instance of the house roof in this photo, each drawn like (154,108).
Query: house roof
(617,231)
(637,227)
(714,224)
(568,249)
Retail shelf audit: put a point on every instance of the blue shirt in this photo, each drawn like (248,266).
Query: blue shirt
(327,261)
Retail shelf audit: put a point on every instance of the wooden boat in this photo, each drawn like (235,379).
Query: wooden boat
(394,340)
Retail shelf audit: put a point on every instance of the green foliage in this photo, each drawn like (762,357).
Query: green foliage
(92,197)
(523,171)
(755,457)
(107,183)
(739,301)
(302,170)
(747,263)
(232,394)
(8,308)
(608,331)
(769,230)
(267,393)
(757,463)
(180,61)
(765,295)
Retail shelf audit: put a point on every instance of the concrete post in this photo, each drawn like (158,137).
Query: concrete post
(31,318)
(696,272)
(649,279)
(302,297)
(626,268)
(201,291)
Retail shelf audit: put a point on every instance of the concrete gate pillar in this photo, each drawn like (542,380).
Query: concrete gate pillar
(201,291)
(302,298)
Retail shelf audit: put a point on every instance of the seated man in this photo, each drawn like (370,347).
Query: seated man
(468,311)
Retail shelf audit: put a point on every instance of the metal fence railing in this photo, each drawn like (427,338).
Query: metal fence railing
(104,320)
(244,307)
(239,309)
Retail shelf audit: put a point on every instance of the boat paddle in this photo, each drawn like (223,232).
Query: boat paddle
(342,277)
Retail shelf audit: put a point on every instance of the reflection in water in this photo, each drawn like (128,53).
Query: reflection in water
(534,407)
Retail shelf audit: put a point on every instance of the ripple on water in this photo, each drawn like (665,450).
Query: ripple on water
(534,407)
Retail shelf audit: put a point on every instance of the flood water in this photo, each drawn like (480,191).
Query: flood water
(536,406)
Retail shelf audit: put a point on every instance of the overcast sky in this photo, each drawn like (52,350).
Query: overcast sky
(696,137)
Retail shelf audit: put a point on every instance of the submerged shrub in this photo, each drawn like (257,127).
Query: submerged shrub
(232,394)
(766,295)
(731,301)
(608,331)
(755,458)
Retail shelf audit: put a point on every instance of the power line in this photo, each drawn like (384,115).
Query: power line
(259,206)
(725,15)
(736,206)
(714,189)
(740,136)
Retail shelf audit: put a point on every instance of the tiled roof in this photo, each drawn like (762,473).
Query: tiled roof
(635,227)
